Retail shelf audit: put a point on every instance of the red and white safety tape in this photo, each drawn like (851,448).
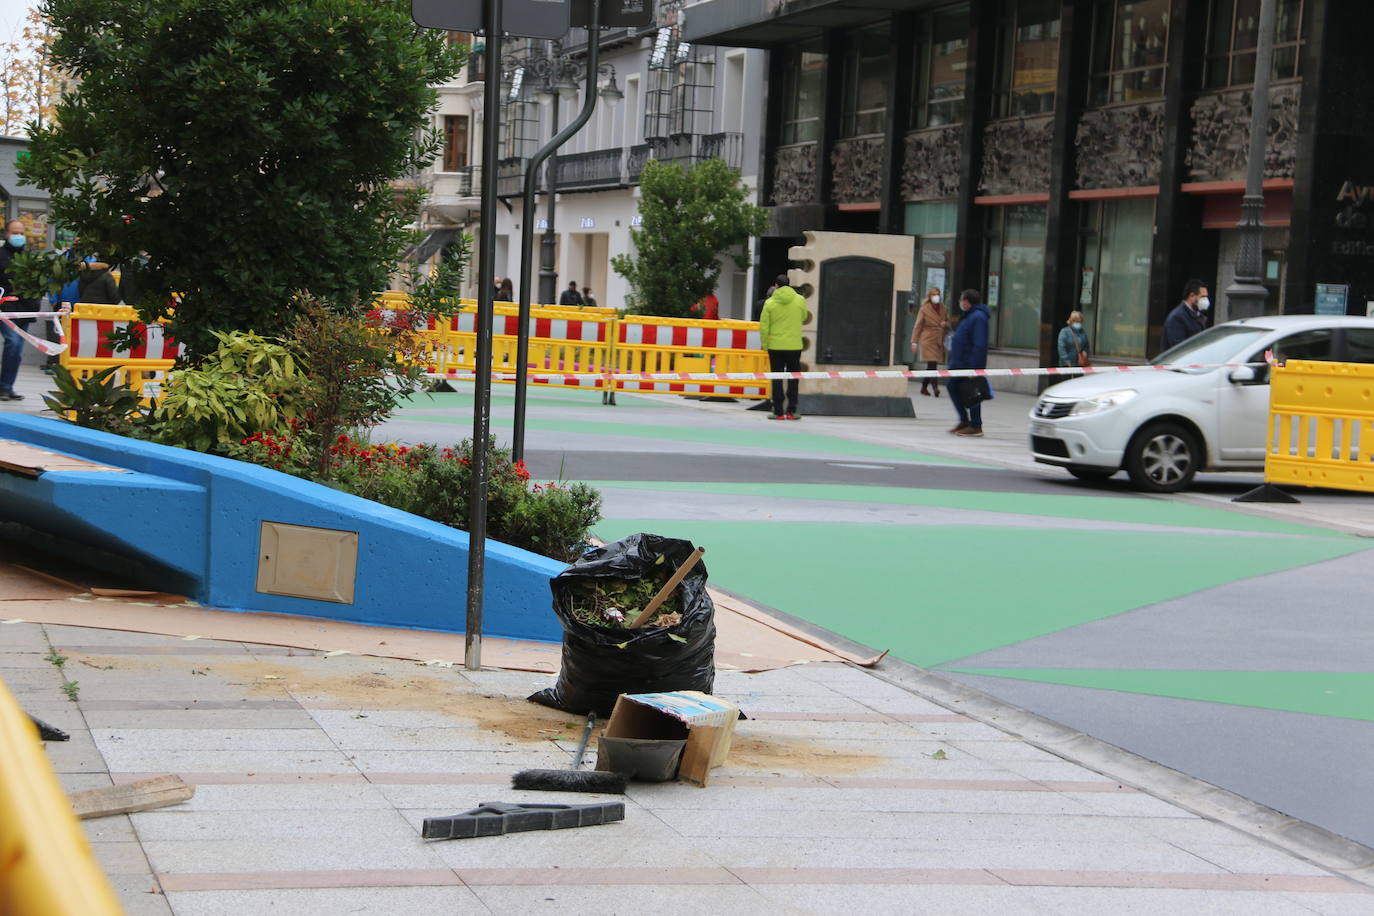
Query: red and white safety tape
(46,347)
(558,378)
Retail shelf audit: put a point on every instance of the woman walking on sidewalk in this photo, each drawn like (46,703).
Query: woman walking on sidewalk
(928,338)
(1073,342)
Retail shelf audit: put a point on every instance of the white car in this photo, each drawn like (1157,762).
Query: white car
(1164,426)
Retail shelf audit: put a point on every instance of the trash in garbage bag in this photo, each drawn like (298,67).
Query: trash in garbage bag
(600,662)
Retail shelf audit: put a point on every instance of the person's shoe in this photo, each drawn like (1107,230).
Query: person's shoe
(790,416)
(11,395)
(777,416)
(937,392)
(956,429)
(971,431)
(925,392)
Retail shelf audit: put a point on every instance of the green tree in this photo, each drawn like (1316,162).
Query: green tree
(690,218)
(246,146)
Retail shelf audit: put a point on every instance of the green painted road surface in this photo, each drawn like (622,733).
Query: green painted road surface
(935,594)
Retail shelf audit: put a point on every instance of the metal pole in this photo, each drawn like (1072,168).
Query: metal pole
(548,243)
(1246,295)
(486,293)
(522,343)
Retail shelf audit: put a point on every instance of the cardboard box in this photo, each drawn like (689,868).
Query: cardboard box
(706,723)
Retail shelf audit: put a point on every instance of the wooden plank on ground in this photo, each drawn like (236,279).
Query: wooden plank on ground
(158,792)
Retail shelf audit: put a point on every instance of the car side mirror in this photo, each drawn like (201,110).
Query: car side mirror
(1243,374)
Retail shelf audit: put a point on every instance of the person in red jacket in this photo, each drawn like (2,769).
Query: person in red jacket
(708,308)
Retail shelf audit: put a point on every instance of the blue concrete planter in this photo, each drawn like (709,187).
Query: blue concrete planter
(198,518)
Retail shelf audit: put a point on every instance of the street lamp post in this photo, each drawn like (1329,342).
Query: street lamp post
(1246,295)
(558,73)
(554,75)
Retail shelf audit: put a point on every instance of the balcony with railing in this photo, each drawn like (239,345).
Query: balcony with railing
(454,193)
(689,149)
(596,169)
(639,154)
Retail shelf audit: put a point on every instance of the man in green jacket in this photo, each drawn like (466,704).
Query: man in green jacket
(780,329)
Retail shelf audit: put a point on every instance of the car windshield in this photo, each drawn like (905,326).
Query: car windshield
(1222,344)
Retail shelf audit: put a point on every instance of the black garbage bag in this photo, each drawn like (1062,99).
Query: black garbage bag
(602,662)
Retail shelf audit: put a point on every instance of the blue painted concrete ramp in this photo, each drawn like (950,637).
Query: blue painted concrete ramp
(207,526)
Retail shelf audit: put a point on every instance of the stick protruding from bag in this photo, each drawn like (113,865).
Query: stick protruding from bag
(652,607)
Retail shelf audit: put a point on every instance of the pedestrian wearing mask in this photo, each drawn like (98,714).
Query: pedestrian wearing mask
(1073,342)
(13,350)
(928,338)
(1189,317)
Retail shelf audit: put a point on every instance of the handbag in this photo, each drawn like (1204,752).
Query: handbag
(973,391)
(1083,359)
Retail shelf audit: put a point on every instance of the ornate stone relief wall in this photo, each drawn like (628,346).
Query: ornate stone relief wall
(930,166)
(858,164)
(1016,157)
(794,175)
(1120,147)
(1221,135)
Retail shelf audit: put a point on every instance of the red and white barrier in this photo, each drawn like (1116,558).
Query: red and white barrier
(848,374)
(46,347)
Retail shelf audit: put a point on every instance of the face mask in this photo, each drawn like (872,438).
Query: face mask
(935,299)
(1204,304)
(16,241)
(1077,325)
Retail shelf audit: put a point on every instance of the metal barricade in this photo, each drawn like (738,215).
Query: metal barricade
(46,865)
(143,367)
(561,341)
(1321,425)
(652,344)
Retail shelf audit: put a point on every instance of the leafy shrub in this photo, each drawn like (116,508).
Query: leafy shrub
(99,402)
(248,384)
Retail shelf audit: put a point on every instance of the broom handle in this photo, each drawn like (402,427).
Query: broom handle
(582,745)
(667,589)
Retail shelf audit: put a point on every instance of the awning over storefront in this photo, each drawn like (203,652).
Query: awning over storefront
(432,245)
(1221,204)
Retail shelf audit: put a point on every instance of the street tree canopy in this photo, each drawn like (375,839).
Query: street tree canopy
(246,147)
(690,217)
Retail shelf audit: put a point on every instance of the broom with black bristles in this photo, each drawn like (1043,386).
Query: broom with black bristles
(574,778)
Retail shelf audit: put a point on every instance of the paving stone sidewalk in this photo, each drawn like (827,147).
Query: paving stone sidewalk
(844,792)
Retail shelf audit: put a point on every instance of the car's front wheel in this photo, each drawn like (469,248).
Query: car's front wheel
(1163,458)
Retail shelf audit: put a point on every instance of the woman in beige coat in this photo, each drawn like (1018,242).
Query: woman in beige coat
(928,338)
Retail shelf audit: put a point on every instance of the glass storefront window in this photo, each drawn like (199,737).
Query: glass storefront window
(1130,40)
(938,98)
(1114,284)
(866,75)
(934,225)
(1028,63)
(1233,33)
(1016,273)
(803,97)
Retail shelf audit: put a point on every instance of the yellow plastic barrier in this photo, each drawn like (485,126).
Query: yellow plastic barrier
(561,341)
(1321,425)
(46,866)
(143,368)
(651,344)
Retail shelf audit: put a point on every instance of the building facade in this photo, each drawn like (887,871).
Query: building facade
(676,102)
(1065,155)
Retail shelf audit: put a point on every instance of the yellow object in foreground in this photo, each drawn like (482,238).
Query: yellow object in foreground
(46,866)
(1321,425)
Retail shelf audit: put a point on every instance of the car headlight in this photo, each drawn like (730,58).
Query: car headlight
(1104,401)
